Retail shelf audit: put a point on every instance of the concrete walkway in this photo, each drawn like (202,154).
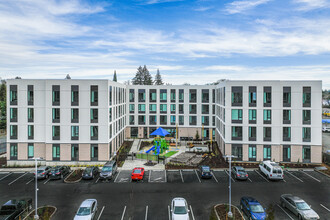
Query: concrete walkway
(131,164)
(135,146)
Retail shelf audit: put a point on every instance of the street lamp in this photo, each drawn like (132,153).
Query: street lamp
(36,186)
(230,214)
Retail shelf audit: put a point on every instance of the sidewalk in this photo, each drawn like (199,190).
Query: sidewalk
(131,164)
(135,146)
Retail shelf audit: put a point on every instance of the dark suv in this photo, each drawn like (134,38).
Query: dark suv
(205,172)
(90,173)
(59,172)
(108,171)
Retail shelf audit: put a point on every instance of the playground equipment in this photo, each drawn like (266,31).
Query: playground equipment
(160,145)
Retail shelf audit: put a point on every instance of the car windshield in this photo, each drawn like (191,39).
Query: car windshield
(106,169)
(84,211)
(241,170)
(303,206)
(257,208)
(206,169)
(88,170)
(137,171)
(40,171)
(180,210)
(277,171)
(55,171)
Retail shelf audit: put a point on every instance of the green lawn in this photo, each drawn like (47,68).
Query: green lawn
(170,153)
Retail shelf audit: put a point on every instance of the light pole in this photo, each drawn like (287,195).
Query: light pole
(36,186)
(230,214)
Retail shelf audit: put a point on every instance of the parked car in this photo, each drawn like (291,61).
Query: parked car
(325,129)
(90,173)
(87,210)
(252,208)
(179,209)
(137,173)
(205,172)
(271,170)
(108,170)
(59,172)
(239,173)
(13,208)
(43,172)
(298,207)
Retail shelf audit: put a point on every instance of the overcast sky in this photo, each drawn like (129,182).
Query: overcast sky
(189,41)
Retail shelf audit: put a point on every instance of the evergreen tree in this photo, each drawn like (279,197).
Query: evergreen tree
(147,78)
(138,79)
(158,78)
(114,77)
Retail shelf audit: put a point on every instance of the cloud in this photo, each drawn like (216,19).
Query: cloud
(236,7)
(308,5)
(151,2)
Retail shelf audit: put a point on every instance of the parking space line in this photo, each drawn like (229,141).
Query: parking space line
(100,213)
(149,176)
(169,214)
(214,177)
(6,176)
(97,179)
(192,213)
(17,179)
(250,180)
(146,213)
(122,217)
(294,176)
(181,176)
(117,176)
(310,176)
(47,180)
(261,176)
(165,177)
(325,208)
(230,176)
(285,212)
(198,176)
(30,181)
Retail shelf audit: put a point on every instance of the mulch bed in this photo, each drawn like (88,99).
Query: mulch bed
(44,213)
(3,161)
(123,151)
(145,144)
(222,211)
(75,176)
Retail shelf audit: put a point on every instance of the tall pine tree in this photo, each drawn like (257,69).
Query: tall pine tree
(138,79)
(147,78)
(115,77)
(158,78)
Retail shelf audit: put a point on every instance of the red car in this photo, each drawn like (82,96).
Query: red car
(138,173)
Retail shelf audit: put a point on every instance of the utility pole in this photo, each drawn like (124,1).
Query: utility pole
(230,214)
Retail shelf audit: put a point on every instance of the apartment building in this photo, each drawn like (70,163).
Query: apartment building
(85,121)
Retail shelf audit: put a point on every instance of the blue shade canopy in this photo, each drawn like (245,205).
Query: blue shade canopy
(160,131)
(326,121)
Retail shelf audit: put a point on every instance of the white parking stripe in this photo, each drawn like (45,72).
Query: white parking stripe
(6,176)
(97,180)
(117,176)
(198,176)
(149,176)
(285,212)
(261,176)
(169,213)
(214,177)
(16,179)
(181,176)
(325,208)
(229,175)
(250,180)
(165,177)
(100,213)
(294,176)
(47,180)
(192,213)
(310,176)
(146,217)
(122,217)
(30,181)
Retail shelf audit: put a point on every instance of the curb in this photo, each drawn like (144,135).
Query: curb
(43,207)
(216,213)
(72,181)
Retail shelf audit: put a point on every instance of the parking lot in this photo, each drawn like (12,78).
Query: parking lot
(120,198)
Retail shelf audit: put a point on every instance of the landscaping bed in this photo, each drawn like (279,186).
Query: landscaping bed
(146,144)
(222,210)
(74,177)
(45,213)
(3,161)
(123,151)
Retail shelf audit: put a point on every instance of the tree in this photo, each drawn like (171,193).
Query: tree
(196,135)
(138,79)
(158,78)
(3,106)
(147,78)
(115,77)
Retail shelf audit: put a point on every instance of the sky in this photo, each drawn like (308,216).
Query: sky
(189,41)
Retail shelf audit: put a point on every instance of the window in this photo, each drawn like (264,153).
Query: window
(74,132)
(94,115)
(236,133)
(267,152)
(74,152)
(30,113)
(286,134)
(94,95)
(205,109)
(30,132)
(152,108)
(205,96)
(110,132)
(286,153)
(213,120)
(267,96)
(192,109)
(94,152)
(142,108)
(152,95)
(252,116)
(236,96)
(153,119)
(134,132)
(236,115)
(30,150)
(56,152)
(181,120)
(142,95)
(181,95)
(192,95)
(56,115)
(306,134)
(94,132)
(286,96)
(131,120)
(252,96)
(172,95)
(237,151)
(213,95)
(142,120)
(173,119)
(306,154)
(56,132)
(30,97)
(267,116)
(13,94)
(163,95)
(163,120)
(252,152)
(205,120)
(131,95)
(163,108)
(306,96)
(13,151)
(173,108)
(192,120)
(131,108)
(74,115)
(13,131)
(56,95)
(267,133)
(110,95)
(306,117)
(286,116)
(13,114)
(110,114)
(74,95)
(252,133)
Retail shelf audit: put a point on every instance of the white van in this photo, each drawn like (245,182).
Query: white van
(271,170)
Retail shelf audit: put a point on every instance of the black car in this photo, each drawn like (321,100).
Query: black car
(90,173)
(59,172)
(205,172)
(13,208)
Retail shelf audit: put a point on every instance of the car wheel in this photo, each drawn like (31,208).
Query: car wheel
(299,217)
